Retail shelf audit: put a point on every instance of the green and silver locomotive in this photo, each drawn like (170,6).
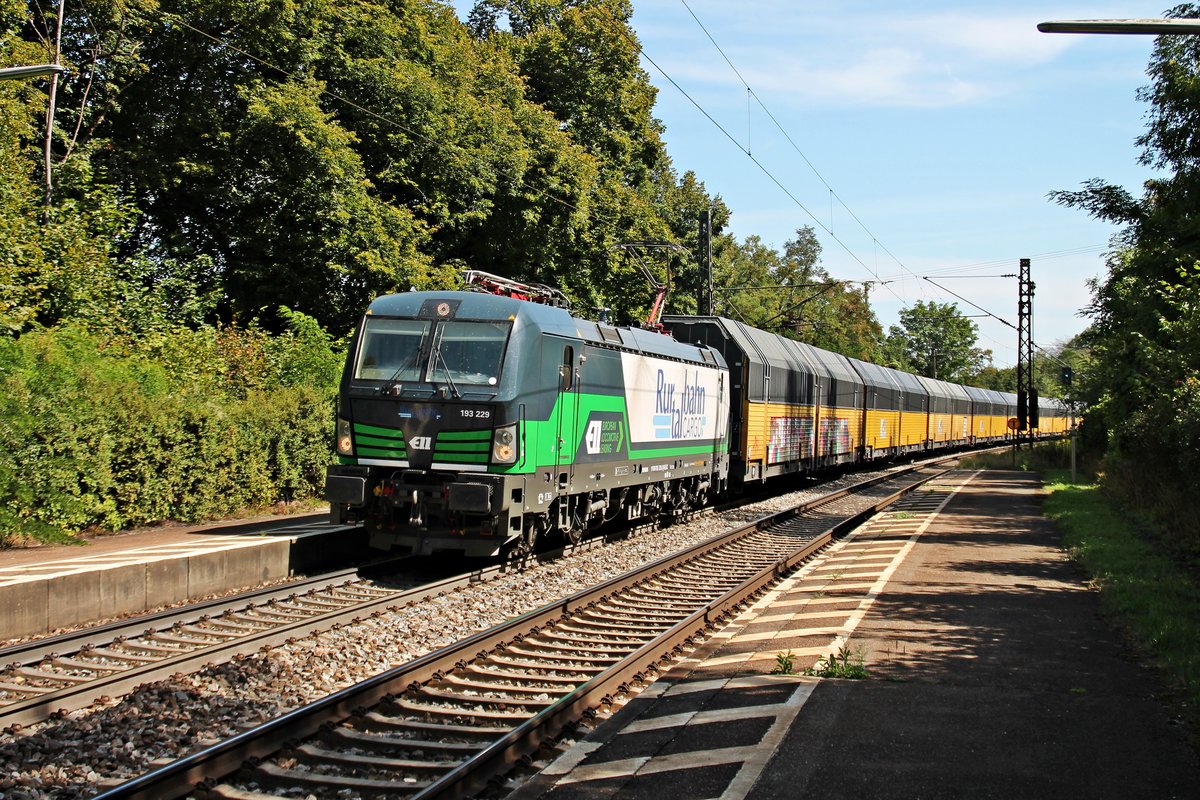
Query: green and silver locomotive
(478,422)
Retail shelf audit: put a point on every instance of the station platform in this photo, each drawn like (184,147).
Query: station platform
(48,588)
(991,674)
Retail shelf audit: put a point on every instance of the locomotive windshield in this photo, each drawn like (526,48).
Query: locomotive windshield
(425,351)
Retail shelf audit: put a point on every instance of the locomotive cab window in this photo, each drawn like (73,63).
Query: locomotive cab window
(421,351)
(392,349)
(471,352)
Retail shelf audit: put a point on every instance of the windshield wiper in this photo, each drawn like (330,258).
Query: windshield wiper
(437,356)
(394,381)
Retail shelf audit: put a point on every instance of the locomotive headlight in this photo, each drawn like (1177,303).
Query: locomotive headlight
(345,442)
(504,445)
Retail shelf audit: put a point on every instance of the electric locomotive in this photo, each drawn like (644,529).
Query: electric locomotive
(478,422)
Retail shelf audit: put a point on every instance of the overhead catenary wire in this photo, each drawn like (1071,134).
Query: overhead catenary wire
(876,244)
(762,167)
(551,196)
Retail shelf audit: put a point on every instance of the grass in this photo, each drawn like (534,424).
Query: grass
(842,664)
(1044,456)
(784,663)
(1144,590)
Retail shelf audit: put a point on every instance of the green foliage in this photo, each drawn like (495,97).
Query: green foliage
(844,663)
(1152,595)
(784,663)
(110,433)
(1140,382)
(936,340)
(792,294)
(1043,457)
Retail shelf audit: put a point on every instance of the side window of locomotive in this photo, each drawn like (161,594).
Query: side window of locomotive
(566,371)
(473,351)
(391,350)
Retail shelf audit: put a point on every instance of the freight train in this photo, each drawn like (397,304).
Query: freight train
(480,422)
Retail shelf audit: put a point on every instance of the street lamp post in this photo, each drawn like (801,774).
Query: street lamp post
(40,71)
(1152,27)
(33,71)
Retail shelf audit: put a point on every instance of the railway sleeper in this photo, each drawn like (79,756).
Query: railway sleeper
(66,662)
(529,647)
(563,658)
(195,644)
(692,584)
(636,602)
(680,589)
(716,569)
(326,603)
(503,672)
(488,696)
(611,635)
(379,723)
(270,614)
(236,627)
(274,776)
(568,665)
(256,620)
(386,743)
(600,645)
(458,714)
(113,655)
(357,594)
(57,677)
(594,622)
(211,630)
(159,650)
(356,761)
(634,611)
(503,684)
(27,690)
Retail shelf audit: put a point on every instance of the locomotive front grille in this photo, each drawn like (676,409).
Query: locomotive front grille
(463,447)
(373,441)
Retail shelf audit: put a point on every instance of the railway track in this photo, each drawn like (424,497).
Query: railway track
(445,724)
(52,676)
(49,677)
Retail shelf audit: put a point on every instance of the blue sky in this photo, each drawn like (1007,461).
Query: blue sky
(939,126)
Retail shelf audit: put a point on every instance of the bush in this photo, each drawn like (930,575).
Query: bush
(184,424)
(1153,465)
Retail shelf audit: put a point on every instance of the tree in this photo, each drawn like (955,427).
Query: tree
(790,293)
(1141,386)
(579,61)
(936,340)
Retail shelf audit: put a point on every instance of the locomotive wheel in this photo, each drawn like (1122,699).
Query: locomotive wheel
(529,536)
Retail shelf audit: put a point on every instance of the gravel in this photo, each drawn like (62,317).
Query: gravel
(91,749)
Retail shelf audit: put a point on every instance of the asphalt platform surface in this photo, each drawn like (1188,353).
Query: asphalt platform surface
(992,674)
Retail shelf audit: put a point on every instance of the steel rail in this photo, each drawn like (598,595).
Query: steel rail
(475,773)
(42,646)
(250,747)
(20,713)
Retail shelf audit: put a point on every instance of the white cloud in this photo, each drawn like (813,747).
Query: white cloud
(857,54)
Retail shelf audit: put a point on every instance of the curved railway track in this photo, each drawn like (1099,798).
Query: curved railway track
(445,724)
